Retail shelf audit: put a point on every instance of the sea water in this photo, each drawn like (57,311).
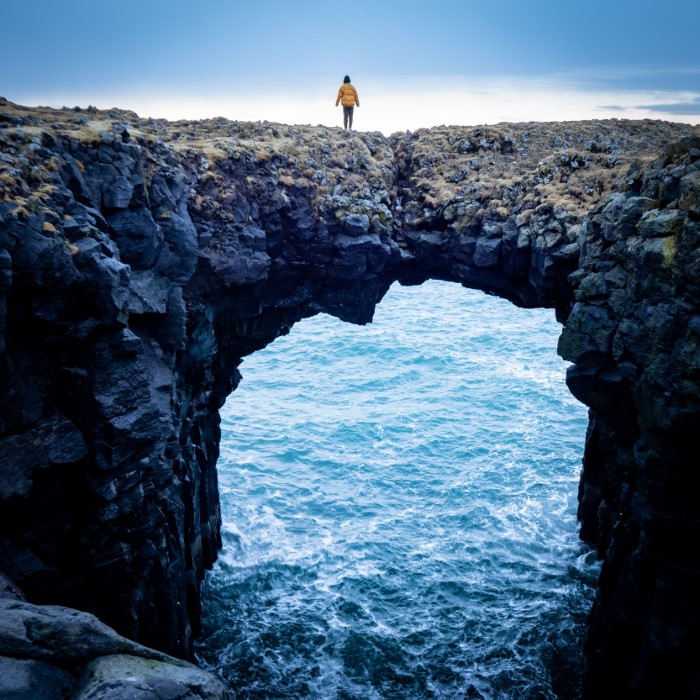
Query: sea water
(399,508)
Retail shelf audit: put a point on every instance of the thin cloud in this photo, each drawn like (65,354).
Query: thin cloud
(690,107)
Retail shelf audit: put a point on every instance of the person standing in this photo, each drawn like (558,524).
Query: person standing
(347,96)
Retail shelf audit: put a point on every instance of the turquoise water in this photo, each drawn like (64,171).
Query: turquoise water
(399,509)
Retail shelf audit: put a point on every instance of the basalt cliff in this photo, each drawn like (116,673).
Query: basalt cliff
(141,260)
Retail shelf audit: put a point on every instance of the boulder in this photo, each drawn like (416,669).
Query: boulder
(121,676)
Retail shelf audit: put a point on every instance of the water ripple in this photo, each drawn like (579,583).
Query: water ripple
(399,504)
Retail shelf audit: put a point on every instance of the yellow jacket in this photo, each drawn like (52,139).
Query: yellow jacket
(347,95)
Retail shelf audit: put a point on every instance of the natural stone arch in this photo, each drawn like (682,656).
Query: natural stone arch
(141,262)
(280,552)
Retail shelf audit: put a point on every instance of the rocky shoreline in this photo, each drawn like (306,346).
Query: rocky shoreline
(141,260)
(50,651)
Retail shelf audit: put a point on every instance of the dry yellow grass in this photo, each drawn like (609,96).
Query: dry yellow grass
(525,168)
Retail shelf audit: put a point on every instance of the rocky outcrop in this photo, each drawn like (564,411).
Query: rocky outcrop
(56,652)
(634,334)
(140,261)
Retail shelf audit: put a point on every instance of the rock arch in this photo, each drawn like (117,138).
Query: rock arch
(141,260)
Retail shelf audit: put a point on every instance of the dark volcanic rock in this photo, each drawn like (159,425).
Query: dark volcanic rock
(56,652)
(140,261)
(26,679)
(635,338)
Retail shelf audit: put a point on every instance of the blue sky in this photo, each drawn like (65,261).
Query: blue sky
(413,63)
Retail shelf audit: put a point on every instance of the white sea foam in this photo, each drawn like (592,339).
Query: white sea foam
(399,503)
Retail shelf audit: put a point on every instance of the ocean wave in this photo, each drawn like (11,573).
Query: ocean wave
(399,504)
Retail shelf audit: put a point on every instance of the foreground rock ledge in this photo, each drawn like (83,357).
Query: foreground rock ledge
(52,652)
(141,260)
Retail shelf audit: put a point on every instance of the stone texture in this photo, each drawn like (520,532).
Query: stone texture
(635,344)
(49,651)
(27,679)
(60,634)
(117,677)
(141,260)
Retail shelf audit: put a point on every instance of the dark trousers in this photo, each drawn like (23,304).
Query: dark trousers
(347,117)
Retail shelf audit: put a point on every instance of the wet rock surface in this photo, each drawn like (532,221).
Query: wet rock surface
(141,260)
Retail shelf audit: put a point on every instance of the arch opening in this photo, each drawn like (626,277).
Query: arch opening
(399,508)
